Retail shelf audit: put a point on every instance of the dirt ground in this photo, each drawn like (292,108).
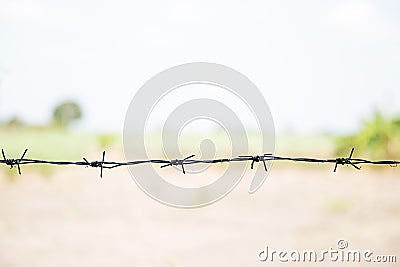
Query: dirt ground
(74,218)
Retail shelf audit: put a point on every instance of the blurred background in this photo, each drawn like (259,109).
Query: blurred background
(330,72)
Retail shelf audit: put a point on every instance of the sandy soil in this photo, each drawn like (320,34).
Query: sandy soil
(74,218)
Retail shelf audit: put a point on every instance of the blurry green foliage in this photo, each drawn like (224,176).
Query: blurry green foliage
(379,138)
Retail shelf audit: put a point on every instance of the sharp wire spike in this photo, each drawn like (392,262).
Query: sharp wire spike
(23,155)
(101,165)
(183,168)
(18,161)
(334,170)
(265,165)
(351,153)
(191,156)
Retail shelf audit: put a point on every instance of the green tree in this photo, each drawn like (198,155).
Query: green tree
(14,123)
(65,113)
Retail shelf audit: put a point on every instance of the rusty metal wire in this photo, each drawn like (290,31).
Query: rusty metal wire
(103,164)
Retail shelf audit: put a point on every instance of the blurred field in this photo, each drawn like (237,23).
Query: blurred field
(51,143)
(74,218)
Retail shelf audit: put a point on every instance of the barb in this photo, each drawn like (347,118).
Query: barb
(176,162)
(102,164)
(346,161)
(96,164)
(12,162)
(254,159)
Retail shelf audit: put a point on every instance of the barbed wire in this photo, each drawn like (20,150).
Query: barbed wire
(103,164)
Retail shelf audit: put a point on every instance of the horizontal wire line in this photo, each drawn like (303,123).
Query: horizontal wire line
(355,162)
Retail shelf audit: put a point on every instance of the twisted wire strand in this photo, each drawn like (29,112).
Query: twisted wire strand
(103,164)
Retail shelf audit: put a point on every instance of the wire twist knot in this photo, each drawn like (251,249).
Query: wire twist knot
(13,162)
(97,164)
(257,158)
(346,161)
(177,162)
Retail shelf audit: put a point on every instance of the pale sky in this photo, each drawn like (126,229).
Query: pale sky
(321,65)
